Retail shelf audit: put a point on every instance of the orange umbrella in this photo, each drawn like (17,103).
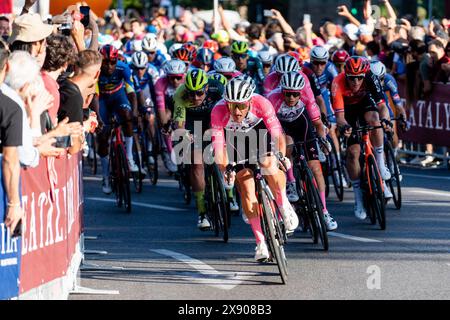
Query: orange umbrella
(97,6)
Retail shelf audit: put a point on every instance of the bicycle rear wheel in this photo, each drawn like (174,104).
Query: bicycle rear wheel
(393,183)
(335,171)
(114,175)
(316,207)
(376,195)
(124,174)
(273,236)
(221,202)
(137,157)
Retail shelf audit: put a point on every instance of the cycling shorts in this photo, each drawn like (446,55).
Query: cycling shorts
(355,113)
(111,105)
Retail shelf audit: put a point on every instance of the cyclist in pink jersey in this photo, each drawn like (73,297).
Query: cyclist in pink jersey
(290,103)
(284,63)
(165,89)
(243,114)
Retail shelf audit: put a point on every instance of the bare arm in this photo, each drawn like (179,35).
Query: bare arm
(343,11)
(94,27)
(284,25)
(390,9)
(11,176)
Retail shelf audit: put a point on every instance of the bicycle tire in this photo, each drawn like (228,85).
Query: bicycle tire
(335,171)
(377,196)
(114,176)
(317,210)
(137,176)
(125,178)
(221,202)
(302,209)
(393,183)
(273,238)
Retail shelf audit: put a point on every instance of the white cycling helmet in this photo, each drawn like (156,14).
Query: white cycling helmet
(265,56)
(136,46)
(225,65)
(174,47)
(149,44)
(238,90)
(286,63)
(139,60)
(174,67)
(292,81)
(319,53)
(247,78)
(378,69)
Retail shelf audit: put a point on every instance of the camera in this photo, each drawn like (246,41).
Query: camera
(63,142)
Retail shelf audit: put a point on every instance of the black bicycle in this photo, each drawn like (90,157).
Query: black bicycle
(119,170)
(271,219)
(91,140)
(216,199)
(333,168)
(394,183)
(310,207)
(151,148)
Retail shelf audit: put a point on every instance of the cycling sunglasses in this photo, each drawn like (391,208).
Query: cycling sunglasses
(176,77)
(241,106)
(294,94)
(197,93)
(319,63)
(240,55)
(353,78)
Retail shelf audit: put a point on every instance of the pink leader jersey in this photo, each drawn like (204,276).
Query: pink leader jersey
(163,89)
(261,110)
(290,114)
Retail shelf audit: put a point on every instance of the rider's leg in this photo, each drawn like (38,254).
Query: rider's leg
(246,186)
(198,182)
(377,139)
(290,173)
(127,125)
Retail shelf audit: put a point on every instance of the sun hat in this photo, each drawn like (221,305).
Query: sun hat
(351,30)
(30,28)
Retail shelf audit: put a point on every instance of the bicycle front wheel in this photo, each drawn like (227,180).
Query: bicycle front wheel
(125,178)
(376,192)
(221,202)
(393,183)
(273,236)
(335,171)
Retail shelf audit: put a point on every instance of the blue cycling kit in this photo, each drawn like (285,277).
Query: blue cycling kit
(390,86)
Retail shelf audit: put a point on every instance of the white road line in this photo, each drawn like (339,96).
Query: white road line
(139,204)
(433,193)
(207,274)
(424,176)
(346,236)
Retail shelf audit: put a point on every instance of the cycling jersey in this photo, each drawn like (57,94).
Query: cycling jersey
(343,96)
(255,70)
(145,85)
(120,79)
(159,60)
(164,93)
(314,82)
(261,112)
(186,112)
(296,122)
(325,80)
(390,87)
(154,72)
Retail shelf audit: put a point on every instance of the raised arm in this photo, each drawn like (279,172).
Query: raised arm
(343,12)
(284,25)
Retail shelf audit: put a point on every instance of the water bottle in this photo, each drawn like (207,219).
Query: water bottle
(322,156)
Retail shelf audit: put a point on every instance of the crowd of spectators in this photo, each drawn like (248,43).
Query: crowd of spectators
(48,77)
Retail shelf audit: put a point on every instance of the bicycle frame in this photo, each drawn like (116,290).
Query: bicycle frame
(367,146)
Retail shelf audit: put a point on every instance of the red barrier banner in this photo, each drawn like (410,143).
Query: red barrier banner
(430,119)
(52,200)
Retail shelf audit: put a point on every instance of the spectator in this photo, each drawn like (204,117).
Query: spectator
(236,35)
(5,28)
(60,54)
(350,37)
(29,34)
(75,90)
(10,140)
(328,32)
(439,58)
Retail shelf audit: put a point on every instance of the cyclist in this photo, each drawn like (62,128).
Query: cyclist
(267,60)
(218,77)
(338,58)
(325,72)
(194,101)
(203,60)
(165,89)
(183,54)
(248,65)
(226,67)
(241,114)
(145,91)
(150,47)
(117,97)
(299,114)
(284,63)
(358,97)
(214,47)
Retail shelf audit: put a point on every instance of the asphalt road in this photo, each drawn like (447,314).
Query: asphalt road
(157,252)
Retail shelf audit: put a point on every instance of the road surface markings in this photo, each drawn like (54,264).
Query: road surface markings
(433,193)
(346,236)
(207,274)
(424,176)
(139,204)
